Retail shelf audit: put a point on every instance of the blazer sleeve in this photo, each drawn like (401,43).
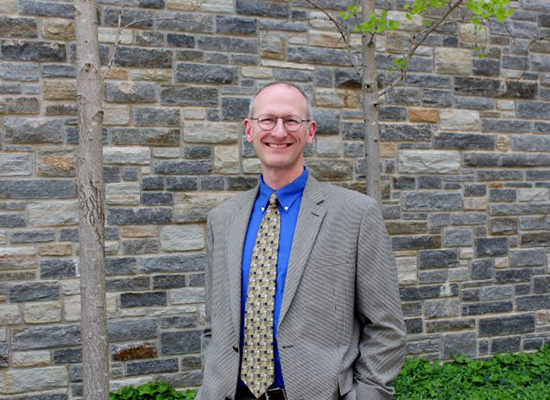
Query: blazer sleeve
(378,306)
(207,333)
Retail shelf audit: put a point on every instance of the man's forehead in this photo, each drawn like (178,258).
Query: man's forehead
(280,90)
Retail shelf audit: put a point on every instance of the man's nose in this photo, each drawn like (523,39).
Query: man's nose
(279,129)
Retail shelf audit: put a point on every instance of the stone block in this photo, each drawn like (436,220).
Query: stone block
(503,226)
(183,183)
(19,105)
(28,72)
(12,220)
(421,201)
(226,159)
(532,109)
(146,136)
(155,116)
(127,155)
(318,55)
(331,169)
(458,237)
(406,270)
(134,351)
(453,61)
(59,90)
(152,367)
(429,292)
(33,130)
(126,193)
(415,242)
(262,9)
(464,141)
(193,207)
(46,337)
(20,50)
(463,343)
(228,44)
(463,120)
(56,162)
(441,308)
(58,29)
(213,6)
(130,92)
(15,381)
(138,216)
(506,345)
(428,162)
(513,275)
(182,342)
(194,167)
(170,281)
(58,269)
(211,132)
(41,313)
(157,199)
(438,259)
(10,315)
(8,7)
(55,250)
(533,195)
(33,291)
(491,247)
(402,132)
(535,239)
(133,57)
(140,246)
(210,74)
(31,359)
(174,263)
(487,308)
(510,325)
(17,27)
(496,292)
(127,330)
(189,96)
(235,108)
(53,213)
(182,238)
(145,299)
(541,284)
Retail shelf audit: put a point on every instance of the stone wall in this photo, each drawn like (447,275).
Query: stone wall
(466,167)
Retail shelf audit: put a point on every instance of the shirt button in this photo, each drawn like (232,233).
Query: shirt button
(286,208)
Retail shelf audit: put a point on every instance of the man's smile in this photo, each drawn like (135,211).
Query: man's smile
(278,145)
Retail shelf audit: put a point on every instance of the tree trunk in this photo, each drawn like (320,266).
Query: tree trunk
(370,99)
(91,204)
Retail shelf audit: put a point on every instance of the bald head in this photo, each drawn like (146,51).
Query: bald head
(300,92)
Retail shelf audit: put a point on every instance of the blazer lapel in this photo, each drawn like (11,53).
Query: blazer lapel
(309,221)
(236,234)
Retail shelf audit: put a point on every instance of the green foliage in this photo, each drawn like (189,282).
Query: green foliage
(524,376)
(157,390)
(375,24)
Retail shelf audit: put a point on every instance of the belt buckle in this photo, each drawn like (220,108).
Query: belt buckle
(275,394)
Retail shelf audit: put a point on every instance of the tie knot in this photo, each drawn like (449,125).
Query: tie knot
(273,199)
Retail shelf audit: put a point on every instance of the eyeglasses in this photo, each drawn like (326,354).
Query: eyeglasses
(291,122)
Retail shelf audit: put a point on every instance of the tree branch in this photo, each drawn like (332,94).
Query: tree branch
(418,43)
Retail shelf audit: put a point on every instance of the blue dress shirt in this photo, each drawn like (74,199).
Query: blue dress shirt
(290,198)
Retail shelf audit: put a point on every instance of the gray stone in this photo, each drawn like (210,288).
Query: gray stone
(415,242)
(262,9)
(482,269)
(15,27)
(32,236)
(58,269)
(28,72)
(513,275)
(12,220)
(189,96)
(176,263)
(428,162)
(157,199)
(124,330)
(487,308)
(186,22)
(46,9)
(533,303)
(228,44)
(180,40)
(236,25)
(33,130)
(441,308)
(497,292)
(130,92)
(145,299)
(154,116)
(458,237)
(474,103)
(182,342)
(169,282)
(152,367)
(138,18)
(535,239)
(182,238)
(438,259)
(318,55)
(464,141)
(400,132)
(146,137)
(463,343)
(197,167)
(34,379)
(491,247)
(58,71)
(330,169)
(533,109)
(469,218)
(66,356)
(182,183)
(429,292)
(201,73)
(503,226)
(531,142)
(140,246)
(527,258)
(449,325)
(46,337)
(506,345)
(328,123)
(127,155)
(19,105)
(53,213)
(235,108)
(20,50)
(33,291)
(502,195)
(505,126)
(506,160)
(541,284)
(120,266)
(133,57)
(510,325)
(421,201)
(137,216)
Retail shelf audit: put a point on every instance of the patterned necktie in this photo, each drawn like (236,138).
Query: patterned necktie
(258,365)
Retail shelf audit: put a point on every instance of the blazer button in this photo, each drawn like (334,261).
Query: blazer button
(236,348)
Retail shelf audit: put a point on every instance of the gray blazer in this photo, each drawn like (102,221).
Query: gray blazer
(341,333)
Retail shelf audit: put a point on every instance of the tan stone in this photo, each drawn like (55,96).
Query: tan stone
(453,61)
(112,247)
(352,99)
(139,231)
(469,36)
(329,146)
(55,249)
(59,89)
(58,28)
(124,193)
(406,270)
(41,313)
(116,115)
(251,166)
(115,73)
(297,38)
(504,143)
(329,98)
(466,254)
(26,380)
(397,42)
(271,47)
(459,120)
(326,39)
(475,203)
(70,287)
(153,75)
(194,113)
(193,207)
(211,132)
(429,115)
(10,315)
(226,159)
(18,258)
(8,7)
(257,72)
(71,308)
(213,6)
(319,20)
(3,237)
(56,162)
(283,64)
(30,359)
(502,262)
(387,150)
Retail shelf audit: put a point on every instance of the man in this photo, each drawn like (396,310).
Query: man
(301,286)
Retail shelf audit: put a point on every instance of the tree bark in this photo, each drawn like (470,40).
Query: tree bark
(370,103)
(91,204)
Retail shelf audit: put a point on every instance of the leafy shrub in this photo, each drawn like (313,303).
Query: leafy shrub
(524,376)
(157,390)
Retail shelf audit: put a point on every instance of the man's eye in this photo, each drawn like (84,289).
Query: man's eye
(267,120)
(292,121)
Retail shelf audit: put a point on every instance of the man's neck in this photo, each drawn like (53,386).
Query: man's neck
(279,178)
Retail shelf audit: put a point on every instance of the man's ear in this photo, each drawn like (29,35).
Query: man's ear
(248,130)
(311,131)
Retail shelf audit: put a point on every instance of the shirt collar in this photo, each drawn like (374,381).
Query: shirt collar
(286,195)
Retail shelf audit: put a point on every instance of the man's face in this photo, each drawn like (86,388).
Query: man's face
(278,149)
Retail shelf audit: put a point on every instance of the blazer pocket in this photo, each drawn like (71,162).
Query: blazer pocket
(329,260)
